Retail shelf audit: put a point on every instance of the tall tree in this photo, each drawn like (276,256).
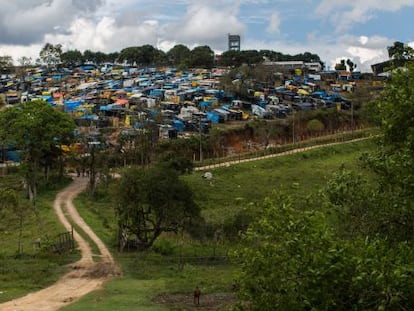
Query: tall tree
(179,55)
(51,54)
(72,58)
(151,201)
(341,65)
(25,61)
(6,61)
(202,56)
(36,129)
(400,51)
(351,65)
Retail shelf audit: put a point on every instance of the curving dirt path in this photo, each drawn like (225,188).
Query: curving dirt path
(292,151)
(86,275)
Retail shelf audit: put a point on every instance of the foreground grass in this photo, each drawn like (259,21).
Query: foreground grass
(32,268)
(149,274)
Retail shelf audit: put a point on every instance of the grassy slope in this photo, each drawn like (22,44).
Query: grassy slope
(298,175)
(32,270)
(147,275)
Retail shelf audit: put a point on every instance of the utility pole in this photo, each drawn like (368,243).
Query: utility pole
(352,119)
(201,146)
(293,128)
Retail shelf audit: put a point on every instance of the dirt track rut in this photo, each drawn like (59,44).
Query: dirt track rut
(85,276)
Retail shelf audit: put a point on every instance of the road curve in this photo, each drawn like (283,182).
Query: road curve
(85,276)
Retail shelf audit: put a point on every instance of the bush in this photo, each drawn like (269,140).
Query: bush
(292,260)
(163,247)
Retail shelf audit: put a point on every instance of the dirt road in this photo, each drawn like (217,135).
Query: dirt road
(292,151)
(85,276)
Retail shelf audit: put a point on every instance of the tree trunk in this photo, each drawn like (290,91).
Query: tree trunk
(19,243)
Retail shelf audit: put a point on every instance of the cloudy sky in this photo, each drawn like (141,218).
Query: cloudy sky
(334,29)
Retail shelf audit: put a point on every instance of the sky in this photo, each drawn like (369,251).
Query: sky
(359,30)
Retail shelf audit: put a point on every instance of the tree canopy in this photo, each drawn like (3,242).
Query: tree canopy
(6,61)
(345,65)
(294,259)
(400,51)
(351,247)
(151,201)
(51,54)
(37,130)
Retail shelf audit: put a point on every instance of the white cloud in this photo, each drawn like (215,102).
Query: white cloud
(363,39)
(274,23)
(344,13)
(26,22)
(205,25)
(370,50)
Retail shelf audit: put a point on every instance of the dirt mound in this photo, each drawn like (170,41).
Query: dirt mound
(103,270)
(208,302)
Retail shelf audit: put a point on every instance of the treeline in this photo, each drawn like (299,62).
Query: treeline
(179,56)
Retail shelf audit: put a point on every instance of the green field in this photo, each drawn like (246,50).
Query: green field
(35,267)
(179,263)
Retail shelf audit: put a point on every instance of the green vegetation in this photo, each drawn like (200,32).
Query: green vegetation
(38,130)
(151,201)
(178,263)
(356,251)
(333,232)
(33,266)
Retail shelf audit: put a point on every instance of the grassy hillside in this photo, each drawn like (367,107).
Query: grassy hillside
(34,267)
(298,174)
(180,263)
(163,279)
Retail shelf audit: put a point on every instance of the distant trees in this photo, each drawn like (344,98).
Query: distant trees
(179,55)
(346,65)
(99,57)
(238,58)
(25,61)
(6,61)
(142,55)
(50,54)
(278,56)
(351,65)
(71,58)
(400,51)
(202,56)
(254,57)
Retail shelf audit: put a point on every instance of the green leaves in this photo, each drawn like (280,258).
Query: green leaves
(154,200)
(292,260)
(36,130)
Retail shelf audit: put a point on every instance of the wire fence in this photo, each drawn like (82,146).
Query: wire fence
(302,143)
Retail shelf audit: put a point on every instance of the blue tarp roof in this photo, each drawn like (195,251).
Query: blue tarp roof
(179,125)
(71,105)
(213,117)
